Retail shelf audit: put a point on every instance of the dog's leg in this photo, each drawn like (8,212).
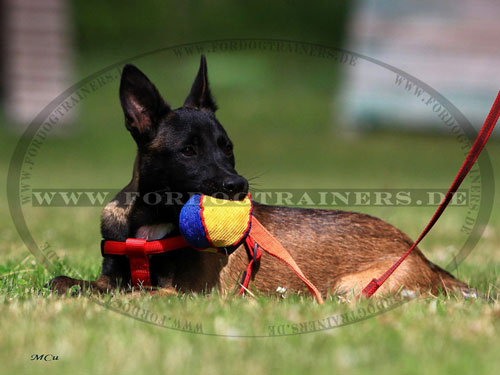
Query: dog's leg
(165,292)
(416,275)
(115,273)
(61,284)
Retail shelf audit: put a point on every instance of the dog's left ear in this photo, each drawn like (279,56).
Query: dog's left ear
(200,96)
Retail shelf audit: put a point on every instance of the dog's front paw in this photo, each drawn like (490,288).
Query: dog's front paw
(61,284)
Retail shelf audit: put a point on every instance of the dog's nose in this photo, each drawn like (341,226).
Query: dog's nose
(235,184)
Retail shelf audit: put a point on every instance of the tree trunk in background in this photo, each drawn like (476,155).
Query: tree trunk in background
(36,56)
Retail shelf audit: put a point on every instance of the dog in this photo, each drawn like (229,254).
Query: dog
(187,150)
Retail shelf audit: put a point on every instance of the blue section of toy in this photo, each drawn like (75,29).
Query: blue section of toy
(190,224)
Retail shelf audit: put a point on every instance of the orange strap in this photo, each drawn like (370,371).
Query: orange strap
(272,246)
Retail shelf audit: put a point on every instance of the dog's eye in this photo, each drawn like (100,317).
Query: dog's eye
(188,151)
(228,150)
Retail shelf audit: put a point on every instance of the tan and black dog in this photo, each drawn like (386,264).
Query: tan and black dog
(187,150)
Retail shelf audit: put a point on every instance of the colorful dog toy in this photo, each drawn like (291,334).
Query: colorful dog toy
(208,222)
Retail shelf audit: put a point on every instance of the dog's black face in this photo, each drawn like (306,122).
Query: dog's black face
(191,153)
(180,151)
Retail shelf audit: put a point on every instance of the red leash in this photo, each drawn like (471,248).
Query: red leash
(474,152)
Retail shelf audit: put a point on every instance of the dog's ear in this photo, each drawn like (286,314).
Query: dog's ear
(142,104)
(200,97)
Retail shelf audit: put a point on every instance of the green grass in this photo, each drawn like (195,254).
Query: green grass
(284,132)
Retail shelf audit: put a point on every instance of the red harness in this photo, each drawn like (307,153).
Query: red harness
(138,250)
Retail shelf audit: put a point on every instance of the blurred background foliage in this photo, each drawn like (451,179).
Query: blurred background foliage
(120,27)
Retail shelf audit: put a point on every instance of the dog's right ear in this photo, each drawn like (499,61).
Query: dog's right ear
(142,104)
(200,97)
